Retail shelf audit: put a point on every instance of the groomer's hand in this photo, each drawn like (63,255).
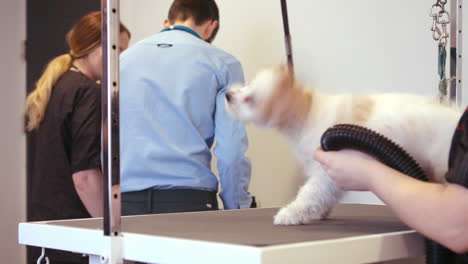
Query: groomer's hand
(351,170)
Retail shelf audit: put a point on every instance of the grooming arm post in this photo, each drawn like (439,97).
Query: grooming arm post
(110,130)
(456,51)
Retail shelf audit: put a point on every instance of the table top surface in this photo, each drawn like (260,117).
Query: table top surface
(254,227)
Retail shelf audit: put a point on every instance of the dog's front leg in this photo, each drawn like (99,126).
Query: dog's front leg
(314,200)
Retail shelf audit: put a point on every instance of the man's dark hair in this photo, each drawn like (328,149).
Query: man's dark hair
(199,10)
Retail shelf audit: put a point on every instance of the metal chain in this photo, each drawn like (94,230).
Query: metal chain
(440,20)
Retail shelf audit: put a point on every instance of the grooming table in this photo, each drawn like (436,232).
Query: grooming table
(353,234)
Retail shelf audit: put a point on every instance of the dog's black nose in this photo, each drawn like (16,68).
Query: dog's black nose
(228,96)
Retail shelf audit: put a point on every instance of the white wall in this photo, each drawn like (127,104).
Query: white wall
(338,45)
(12,143)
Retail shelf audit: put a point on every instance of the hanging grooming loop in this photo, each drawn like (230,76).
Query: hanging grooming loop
(440,20)
(287,35)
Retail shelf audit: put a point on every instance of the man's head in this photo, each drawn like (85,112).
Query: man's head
(200,15)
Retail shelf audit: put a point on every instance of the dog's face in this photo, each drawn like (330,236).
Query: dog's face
(258,101)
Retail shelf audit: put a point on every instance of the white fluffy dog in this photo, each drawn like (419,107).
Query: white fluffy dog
(421,125)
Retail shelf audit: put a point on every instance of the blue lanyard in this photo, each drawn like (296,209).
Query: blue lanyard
(183,28)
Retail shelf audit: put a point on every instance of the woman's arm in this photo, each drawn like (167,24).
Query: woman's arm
(438,211)
(89,186)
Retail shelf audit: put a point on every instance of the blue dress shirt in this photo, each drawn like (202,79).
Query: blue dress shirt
(173,86)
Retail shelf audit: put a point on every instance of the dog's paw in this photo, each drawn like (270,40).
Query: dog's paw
(290,215)
(285,217)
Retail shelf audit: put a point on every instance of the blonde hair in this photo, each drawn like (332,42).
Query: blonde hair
(36,103)
(81,39)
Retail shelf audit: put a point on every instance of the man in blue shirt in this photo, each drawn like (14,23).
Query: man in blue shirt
(172,98)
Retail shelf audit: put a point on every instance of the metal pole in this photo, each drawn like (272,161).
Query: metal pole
(287,35)
(456,52)
(110,128)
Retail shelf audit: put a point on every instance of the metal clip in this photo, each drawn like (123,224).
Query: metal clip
(443,18)
(435,13)
(436,34)
(443,39)
(42,256)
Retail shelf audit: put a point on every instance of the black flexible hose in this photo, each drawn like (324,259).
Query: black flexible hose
(345,136)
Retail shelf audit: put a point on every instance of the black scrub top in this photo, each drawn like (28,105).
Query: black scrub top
(67,141)
(458,165)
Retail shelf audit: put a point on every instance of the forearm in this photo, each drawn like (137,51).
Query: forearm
(233,166)
(89,186)
(438,211)
(235,186)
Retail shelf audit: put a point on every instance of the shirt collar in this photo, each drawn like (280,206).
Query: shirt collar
(182,28)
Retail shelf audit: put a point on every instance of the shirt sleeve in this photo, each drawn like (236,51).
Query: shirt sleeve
(231,143)
(85,130)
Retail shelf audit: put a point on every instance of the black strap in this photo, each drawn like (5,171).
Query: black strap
(76,68)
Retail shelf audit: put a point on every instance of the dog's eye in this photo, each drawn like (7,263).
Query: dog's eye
(249,100)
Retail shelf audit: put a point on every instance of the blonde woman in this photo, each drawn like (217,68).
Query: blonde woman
(63,116)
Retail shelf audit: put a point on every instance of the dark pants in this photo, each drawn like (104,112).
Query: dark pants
(152,201)
(149,201)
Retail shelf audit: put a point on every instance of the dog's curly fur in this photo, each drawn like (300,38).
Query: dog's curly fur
(421,125)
